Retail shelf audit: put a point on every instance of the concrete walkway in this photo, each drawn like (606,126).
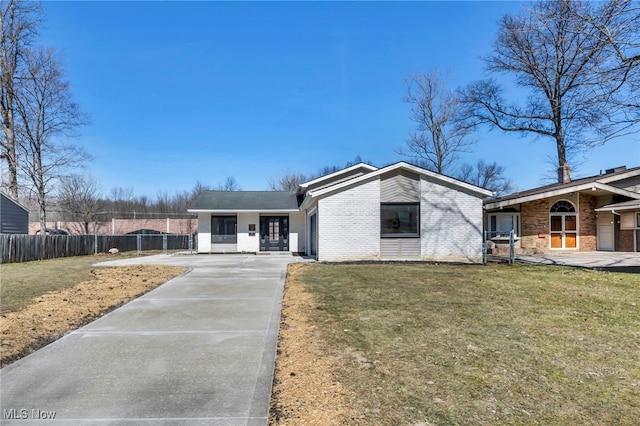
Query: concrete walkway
(198,350)
(614,261)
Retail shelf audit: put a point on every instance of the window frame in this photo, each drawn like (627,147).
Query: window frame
(497,215)
(226,238)
(415,234)
(564,233)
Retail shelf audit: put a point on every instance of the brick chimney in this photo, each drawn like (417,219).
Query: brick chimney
(564,173)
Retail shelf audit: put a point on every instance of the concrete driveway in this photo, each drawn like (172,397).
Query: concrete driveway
(199,349)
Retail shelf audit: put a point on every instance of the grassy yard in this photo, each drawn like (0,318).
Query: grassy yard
(498,344)
(21,282)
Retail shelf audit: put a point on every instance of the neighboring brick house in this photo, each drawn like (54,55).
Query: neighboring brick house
(594,213)
(398,212)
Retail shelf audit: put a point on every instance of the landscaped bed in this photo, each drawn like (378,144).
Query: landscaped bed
(451,344)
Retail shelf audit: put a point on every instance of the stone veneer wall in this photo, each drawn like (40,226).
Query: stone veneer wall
(534,218)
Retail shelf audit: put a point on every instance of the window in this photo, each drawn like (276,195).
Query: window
(563,225)
(501,224)
(399,220)
(223,229)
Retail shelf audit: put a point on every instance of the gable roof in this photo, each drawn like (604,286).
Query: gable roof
(235,201)
(598,184)
(5,198)
(438,178)
(336,177)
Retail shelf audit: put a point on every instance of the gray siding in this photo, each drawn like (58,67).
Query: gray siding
(352,174)
(224,248)
(14,219)
(399,248)
(400,188)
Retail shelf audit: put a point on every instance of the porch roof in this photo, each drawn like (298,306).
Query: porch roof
(238,201)
(626,205)
(597,185)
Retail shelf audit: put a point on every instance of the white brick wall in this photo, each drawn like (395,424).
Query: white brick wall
(204,232)
(451,224)
(349,224)
(246,242)
(296,232)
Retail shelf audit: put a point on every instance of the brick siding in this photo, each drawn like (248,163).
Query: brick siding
(625,240)
(534,217)
(349,224)
(451,224)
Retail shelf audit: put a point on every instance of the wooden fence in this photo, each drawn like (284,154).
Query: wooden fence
(25,248)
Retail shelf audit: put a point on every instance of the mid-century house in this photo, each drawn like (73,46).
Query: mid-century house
(14,218)
(400,212)
(599,212)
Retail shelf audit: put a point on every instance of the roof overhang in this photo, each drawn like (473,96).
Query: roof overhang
(595,187)
(243,211)
(445,180)
(369,167)
(620,207)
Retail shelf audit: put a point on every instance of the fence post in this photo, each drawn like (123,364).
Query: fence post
(95,243)
(164,243)
(512,249)
(190,243)
(139,243)
(484,248)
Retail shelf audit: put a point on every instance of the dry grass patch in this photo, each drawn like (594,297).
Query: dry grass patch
(50,298)
(450,344)
(305,392)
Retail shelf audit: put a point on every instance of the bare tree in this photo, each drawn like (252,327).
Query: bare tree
(287,181)
(230,184)
(489,176)
(19,21)
(438,138)
(80,198)
(573,58)
(47,117)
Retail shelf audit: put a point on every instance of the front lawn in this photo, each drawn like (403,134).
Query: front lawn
(497,344)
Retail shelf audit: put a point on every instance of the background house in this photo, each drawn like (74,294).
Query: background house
(398,212)
(599,212)
(14,218)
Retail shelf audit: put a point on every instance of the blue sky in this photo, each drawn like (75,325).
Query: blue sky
(180,92)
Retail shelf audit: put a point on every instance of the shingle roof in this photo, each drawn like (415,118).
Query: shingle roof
(246,200)
(554,186)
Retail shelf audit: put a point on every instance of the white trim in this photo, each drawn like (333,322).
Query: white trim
(337,173)
(562,233)
(621,176)
(611,209)
(243,211)
(562,191)
(401,165)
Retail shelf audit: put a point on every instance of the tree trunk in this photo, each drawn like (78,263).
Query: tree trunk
(12,161)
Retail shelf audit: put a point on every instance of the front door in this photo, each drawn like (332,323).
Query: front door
(605,231)
(274,233)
